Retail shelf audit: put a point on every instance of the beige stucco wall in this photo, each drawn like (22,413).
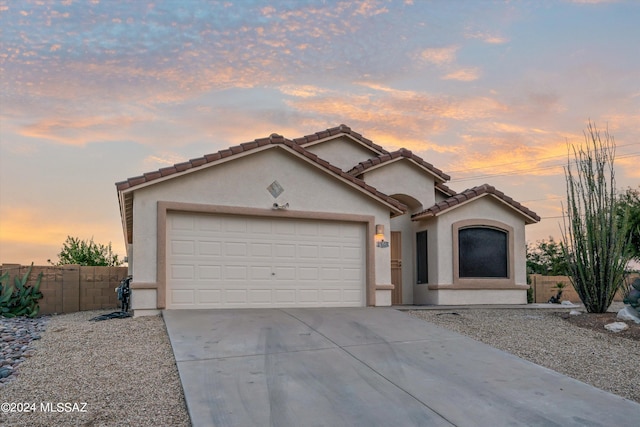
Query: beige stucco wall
(476,297)
(484,208)
(441,256)
(243,183)
(403,177)
(342,152)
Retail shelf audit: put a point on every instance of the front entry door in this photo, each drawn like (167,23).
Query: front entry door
(396,267)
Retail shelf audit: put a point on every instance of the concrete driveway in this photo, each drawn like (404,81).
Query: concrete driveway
(367,367)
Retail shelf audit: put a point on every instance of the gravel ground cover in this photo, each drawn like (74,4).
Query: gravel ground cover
(546,338)
(123,369)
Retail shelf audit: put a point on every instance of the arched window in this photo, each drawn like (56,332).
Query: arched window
(483,252)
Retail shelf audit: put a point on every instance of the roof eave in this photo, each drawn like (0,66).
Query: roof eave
(437,178)
(354,139)
(427,215)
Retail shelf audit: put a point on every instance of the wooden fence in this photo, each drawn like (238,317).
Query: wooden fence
(544,288)
(71,288)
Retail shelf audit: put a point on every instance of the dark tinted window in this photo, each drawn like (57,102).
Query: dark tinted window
(483,252)
(421,252)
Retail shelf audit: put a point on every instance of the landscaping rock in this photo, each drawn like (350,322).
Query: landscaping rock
(616,327)
(575,313)
(628,313)
(18,333)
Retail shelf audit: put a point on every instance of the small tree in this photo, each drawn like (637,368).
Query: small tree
(86,252)
(546,257)
(629,204)
(595,243)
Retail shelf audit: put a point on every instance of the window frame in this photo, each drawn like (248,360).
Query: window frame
(482,281)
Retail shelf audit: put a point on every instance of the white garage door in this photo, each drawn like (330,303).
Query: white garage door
(220,261)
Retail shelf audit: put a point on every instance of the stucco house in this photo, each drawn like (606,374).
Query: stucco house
(326,220)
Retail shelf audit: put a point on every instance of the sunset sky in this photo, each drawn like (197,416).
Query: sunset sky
(96,91)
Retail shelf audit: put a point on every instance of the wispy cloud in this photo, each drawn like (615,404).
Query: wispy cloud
(78,131)
(370,8)
(463,75)
(440,55)
(490,38)
(301,91)
(162,159)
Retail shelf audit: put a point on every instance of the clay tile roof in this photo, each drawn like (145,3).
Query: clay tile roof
(403,152)
(342,129)
(248,146)
(152,175)
(198,162)
(446,190)
(471,194)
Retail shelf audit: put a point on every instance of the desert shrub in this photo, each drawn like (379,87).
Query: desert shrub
(595,242)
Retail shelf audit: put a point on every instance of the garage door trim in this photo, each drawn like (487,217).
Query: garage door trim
(165,207)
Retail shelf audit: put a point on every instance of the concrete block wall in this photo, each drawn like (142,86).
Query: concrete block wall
(544,288)
(71,288)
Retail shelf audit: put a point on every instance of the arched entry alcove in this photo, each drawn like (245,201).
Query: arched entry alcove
(402,232)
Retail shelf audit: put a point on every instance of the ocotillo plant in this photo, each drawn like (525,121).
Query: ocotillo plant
(595,244)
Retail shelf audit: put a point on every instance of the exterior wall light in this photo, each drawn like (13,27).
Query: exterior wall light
(379,237)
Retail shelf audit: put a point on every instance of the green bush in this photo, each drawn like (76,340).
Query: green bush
(19,299)
(86,252)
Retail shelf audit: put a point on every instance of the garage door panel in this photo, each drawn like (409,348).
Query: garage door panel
(308,273)
(209,248)
(210,296)
(182,222)
(284,273)
(328,252)
(307,229)
(330,230)
(260,296)
(182,247)
(331,296)
(260,227)
(261,250)
(218,261)
(283,228)
(235,225)
(331,273)
(308,296)
(183,296)
(235,272)
(308,251)
(285,251)
(210,272)
(211,224)
(352,252)
(352,296)
(235,296)
(261,273)
(235,249)
(351,274)
(284,296)
(181,272)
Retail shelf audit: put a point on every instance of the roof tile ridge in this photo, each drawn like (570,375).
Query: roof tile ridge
(336,130)
(198,161)
(445,189)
